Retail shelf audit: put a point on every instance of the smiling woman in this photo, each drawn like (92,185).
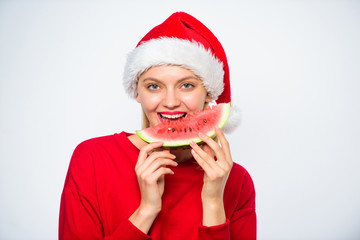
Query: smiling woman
(170,92)
(121,187)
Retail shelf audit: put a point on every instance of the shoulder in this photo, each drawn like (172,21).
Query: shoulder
(102,143)
(97,141)
(241,180)
(240,188)
(90,155)
(96,148)
(239,172)
(109,147)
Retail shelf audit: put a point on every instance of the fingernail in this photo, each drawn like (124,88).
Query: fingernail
(192,143)
(201,135)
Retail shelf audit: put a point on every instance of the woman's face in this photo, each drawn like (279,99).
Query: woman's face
(169,93)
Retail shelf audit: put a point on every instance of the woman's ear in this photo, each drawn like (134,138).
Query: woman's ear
(138,98)
(208,98)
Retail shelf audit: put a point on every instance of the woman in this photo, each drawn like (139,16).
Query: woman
(119,187)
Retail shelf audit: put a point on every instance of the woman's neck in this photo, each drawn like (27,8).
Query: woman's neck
(182,154)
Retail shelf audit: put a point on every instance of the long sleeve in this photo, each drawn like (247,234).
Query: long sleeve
(219,232)
(79,220)
(80,215)
(243,219)
(242,222)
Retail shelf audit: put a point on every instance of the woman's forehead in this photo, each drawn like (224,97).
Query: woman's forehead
(168,72)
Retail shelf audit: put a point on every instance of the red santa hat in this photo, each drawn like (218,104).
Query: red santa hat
(184,41)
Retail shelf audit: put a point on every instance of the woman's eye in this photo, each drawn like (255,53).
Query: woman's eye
(187,85)
(153,87)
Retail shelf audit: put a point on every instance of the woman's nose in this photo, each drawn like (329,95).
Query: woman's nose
(171,99)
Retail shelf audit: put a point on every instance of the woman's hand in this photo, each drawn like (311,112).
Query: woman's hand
(215,176)
(150,171)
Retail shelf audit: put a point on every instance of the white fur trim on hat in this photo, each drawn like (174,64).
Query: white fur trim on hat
(174,51)
(234,119)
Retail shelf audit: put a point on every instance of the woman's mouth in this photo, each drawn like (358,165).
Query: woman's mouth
(171,116)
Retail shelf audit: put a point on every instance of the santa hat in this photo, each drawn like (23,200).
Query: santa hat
(184,41)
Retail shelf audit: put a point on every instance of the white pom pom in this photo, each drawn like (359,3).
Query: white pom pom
(233,121)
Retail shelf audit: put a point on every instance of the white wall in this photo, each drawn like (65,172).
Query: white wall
(294,71)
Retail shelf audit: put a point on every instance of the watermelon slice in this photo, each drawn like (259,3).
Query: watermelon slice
(182,132)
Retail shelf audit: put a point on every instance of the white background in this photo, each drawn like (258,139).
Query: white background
(294,69)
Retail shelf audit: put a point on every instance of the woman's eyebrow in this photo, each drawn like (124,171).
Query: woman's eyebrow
(179,80)
(189,77)
(150,79)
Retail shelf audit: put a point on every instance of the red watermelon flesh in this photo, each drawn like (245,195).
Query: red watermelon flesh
(182,132)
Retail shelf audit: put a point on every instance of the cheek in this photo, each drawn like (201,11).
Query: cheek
(195,102)
(149,102)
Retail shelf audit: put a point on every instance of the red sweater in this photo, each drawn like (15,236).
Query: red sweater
(101,192)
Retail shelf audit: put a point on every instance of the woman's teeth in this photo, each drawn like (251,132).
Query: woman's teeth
(172,116)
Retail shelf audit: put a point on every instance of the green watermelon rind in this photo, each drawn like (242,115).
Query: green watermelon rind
(186,142)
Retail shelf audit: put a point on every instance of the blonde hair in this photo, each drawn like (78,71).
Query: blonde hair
(145,121)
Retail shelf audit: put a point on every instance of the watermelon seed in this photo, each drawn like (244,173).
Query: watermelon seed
(184,129)
(190,129)
(173,130)
(205,121)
